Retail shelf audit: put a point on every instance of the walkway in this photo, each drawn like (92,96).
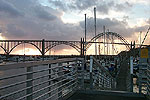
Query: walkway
(122,76)
(120,92)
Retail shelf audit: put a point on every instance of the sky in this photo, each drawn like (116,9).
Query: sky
(64,19)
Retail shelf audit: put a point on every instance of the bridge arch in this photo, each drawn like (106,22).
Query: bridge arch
(5,51)
(25,43)
(123,40)
(73,45)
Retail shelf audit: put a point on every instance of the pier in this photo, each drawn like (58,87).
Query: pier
(68,79)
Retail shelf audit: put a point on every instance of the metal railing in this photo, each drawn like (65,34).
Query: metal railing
(138,83)
(148,81)
(129,77)
(100,78)
(142,80)
(41,80)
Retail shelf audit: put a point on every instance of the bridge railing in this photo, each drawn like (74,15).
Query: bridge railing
(100,78)
(42,80)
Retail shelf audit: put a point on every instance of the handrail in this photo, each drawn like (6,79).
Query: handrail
(148,81)
(35,63)
(102,68)
(57,78)
(101,79)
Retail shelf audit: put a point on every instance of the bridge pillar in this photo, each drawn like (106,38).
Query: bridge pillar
(43,48)
(131,46)
(7,55)
(7,50)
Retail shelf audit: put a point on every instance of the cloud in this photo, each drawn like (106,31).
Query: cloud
(103,7)
(14,32)
(148,21)
(8,8)
(141,28)
(114,25)
(124,6)
(42,13)
(106,7)
(84,4)
(38,22)
(59,4)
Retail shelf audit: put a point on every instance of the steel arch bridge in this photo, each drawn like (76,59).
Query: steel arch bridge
(112,34)
(42,45)
(45,45)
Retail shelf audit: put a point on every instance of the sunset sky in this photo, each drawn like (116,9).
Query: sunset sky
(64,19)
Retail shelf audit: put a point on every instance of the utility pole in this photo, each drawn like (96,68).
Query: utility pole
(107,36)
(85,40)
(104,38)
(85,27)
(95,30)
(112,44)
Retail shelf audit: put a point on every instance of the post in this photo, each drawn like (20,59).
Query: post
(43,48)
(140,79)
(29,83)
(95,30)
(76,74)
(82,80)
(91,67)
(60,83)
(85,41)
(104,38)
(81,48)
(134,48)
(107,36)
(112,44)
(49,66)
(131,72)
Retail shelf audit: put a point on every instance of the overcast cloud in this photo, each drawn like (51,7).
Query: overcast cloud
(28,19)
(102,6)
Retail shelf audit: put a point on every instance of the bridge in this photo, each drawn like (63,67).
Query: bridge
(45,45)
